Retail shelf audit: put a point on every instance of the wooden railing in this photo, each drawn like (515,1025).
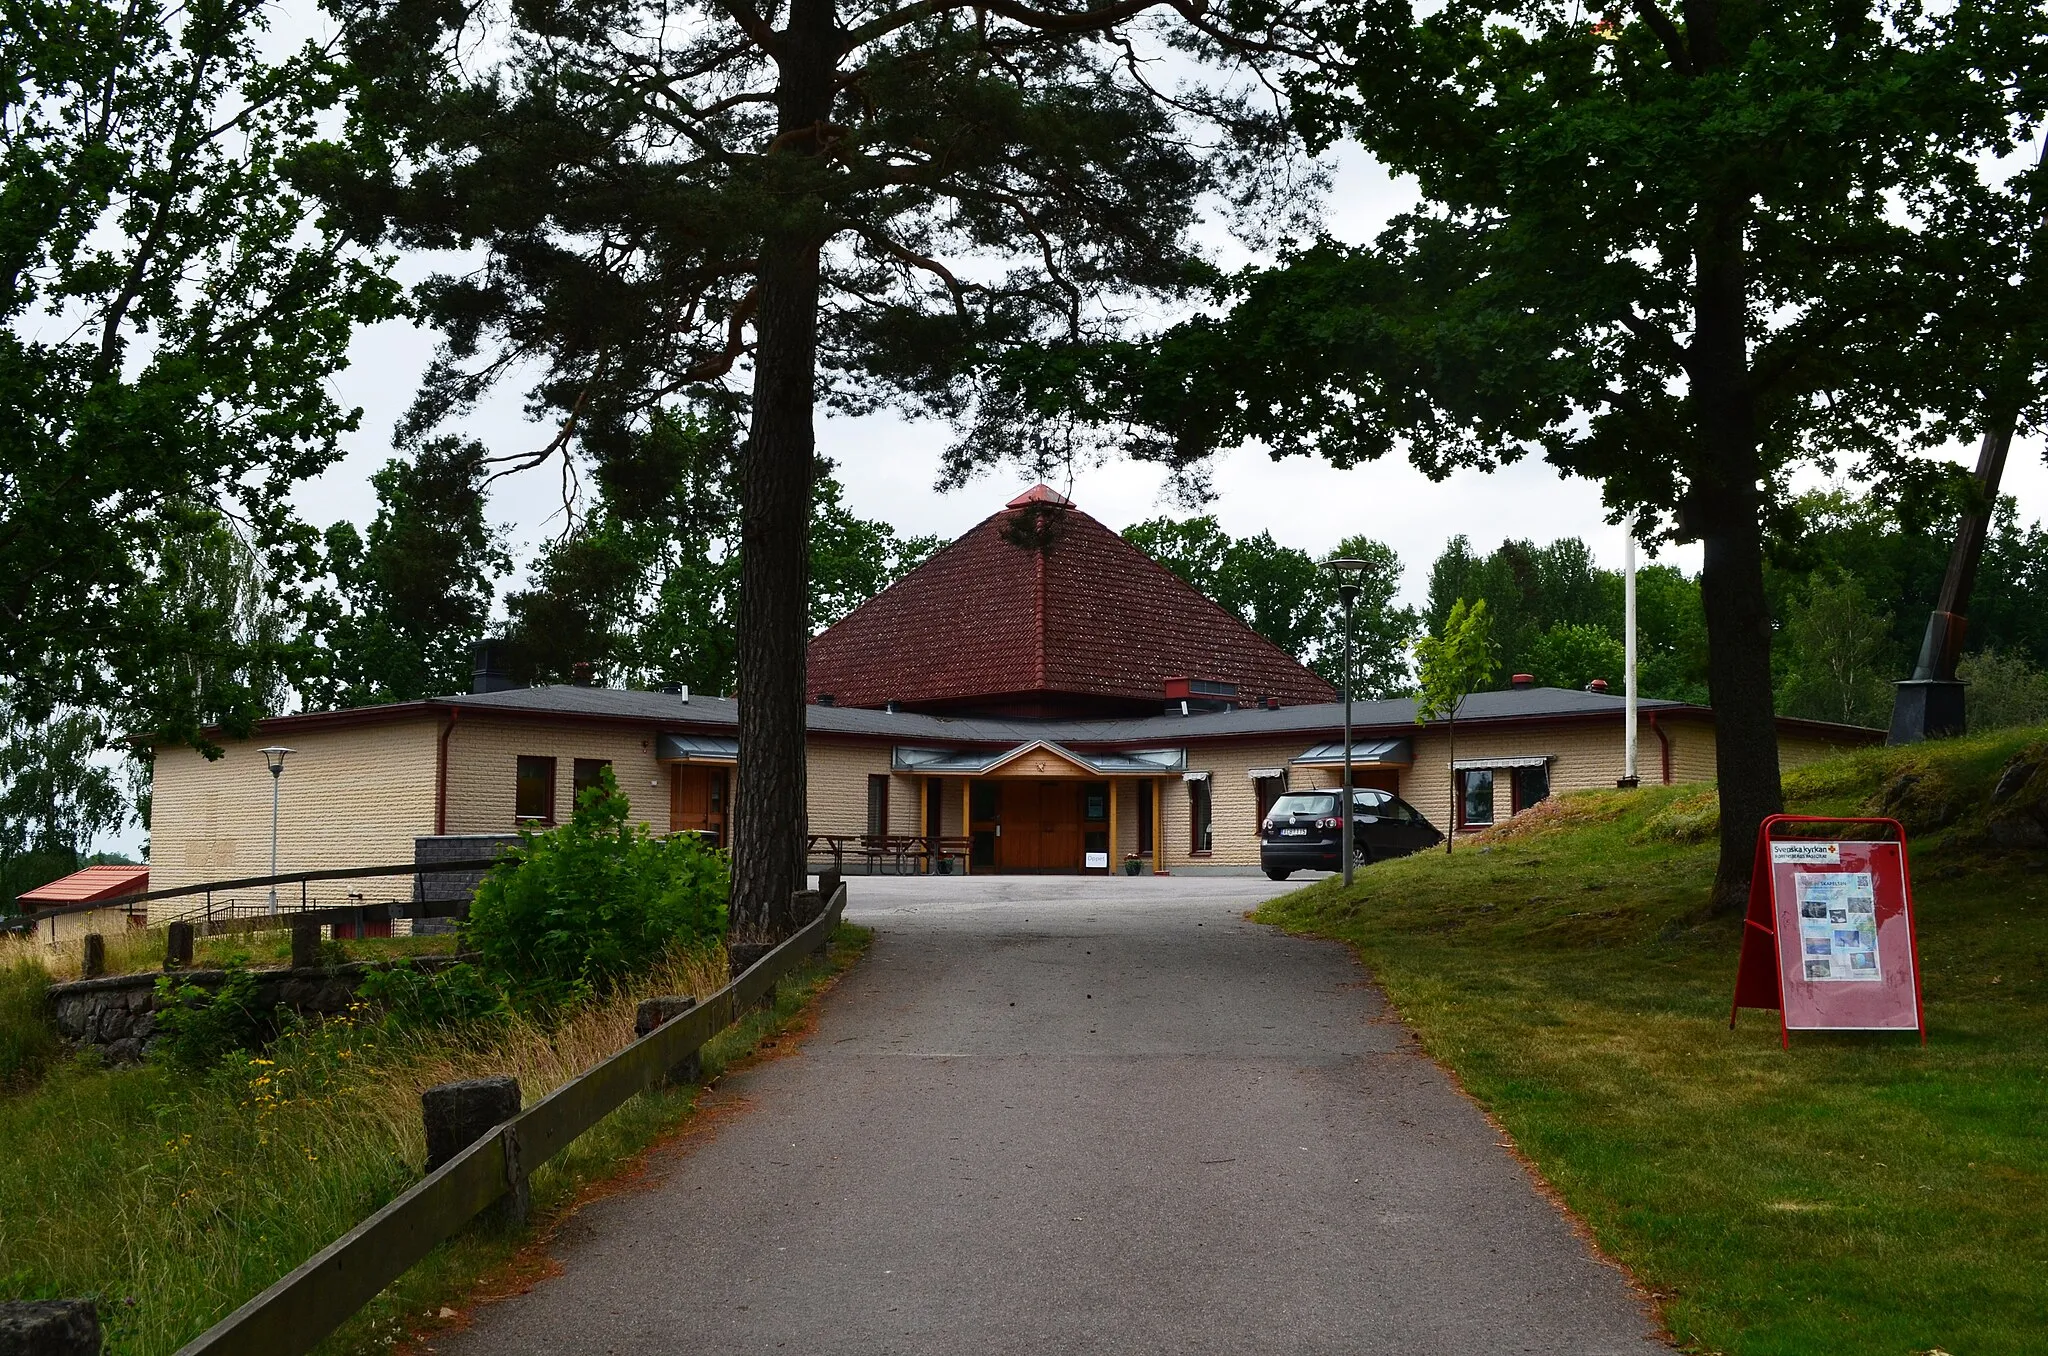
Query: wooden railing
(293,1315)
(286,905)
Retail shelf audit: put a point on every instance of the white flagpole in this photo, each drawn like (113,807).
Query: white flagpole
(1628,557)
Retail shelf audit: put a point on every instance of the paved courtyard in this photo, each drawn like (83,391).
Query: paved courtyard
(1061,1115)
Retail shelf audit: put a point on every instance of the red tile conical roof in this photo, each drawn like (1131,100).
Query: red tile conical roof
(1041,610)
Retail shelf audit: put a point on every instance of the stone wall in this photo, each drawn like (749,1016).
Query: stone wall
(116,1014)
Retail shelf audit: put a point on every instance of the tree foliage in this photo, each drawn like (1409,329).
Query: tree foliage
(1290,598)
(170,313)
(1449,667)
(645,588)
(865,198)
(412,600)
(1676,251)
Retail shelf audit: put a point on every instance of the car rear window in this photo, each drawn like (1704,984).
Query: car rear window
(1300,804)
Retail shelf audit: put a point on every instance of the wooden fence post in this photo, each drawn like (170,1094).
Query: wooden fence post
(93,963)
(457,1115)
(50,1328)
(655,1011)
(306,948)
(178,948)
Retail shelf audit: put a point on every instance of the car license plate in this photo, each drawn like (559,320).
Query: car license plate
(1294,833)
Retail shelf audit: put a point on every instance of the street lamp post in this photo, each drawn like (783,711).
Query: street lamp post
(1347,593)
(274,758)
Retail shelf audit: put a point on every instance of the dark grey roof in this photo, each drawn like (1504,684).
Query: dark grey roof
(1387,718)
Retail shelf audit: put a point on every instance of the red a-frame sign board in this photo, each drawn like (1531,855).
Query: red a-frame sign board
(1829,939)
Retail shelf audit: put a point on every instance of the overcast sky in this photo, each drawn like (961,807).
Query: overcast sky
(889,464)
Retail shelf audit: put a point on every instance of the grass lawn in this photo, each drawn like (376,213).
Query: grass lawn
(1859,1194)
(173,1198)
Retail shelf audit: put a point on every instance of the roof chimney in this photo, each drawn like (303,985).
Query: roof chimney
(1597,685)
(1522,680)
(579,673)
(493,671)
(1272,703)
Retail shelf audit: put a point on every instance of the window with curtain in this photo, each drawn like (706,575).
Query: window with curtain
(533,797)
(1201,833)
(1475,798)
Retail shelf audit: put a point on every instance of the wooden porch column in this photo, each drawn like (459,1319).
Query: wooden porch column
(1115,860)
(1158,824)
(967,822)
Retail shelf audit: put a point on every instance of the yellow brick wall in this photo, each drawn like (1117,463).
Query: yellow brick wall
(837,787)
(1233,799)
(354,796)
(483,770)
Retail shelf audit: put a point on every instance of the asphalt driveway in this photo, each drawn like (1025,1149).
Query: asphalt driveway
(1059,1116)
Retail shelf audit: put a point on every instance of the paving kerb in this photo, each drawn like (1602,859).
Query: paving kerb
(1057,1115)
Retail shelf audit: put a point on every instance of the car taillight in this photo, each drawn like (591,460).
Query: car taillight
(1329,823)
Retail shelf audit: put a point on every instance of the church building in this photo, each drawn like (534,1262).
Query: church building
(1040,696)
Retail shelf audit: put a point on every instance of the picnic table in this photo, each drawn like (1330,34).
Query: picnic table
(900,849)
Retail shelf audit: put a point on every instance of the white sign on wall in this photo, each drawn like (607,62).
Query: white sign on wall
(1097,859)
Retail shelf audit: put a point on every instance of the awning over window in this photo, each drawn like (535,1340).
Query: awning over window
(683,748)
(1383,752)
(1261,774)
(975,762)
(1487,764)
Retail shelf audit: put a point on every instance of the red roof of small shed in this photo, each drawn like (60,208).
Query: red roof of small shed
(94,882)
(1040,609)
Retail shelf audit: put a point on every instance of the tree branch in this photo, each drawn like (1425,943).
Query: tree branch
(929,265)
(1658,338)
(1048,21)
(1667,33)
(743,13)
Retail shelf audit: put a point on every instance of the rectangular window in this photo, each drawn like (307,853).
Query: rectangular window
(1475,798)
(1201,837)
(1144,819)
(586,774)
(1531,785)
(1268,790)
(534,798)
(878,804)
(1095,802)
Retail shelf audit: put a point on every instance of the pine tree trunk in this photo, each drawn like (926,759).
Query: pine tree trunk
(776,471)
(1724,508)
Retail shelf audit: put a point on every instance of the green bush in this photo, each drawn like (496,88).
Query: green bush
(28,1039)
(458,996)
(200,1027)
(573,910)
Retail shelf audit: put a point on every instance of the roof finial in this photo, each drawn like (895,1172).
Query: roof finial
(1040,494)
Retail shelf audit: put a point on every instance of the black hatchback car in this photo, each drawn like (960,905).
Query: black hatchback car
(1302,832)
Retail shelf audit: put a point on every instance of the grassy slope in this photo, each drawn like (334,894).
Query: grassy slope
(1858,1194)
(174,1199)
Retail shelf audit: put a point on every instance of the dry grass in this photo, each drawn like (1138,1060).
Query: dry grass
(174,1197)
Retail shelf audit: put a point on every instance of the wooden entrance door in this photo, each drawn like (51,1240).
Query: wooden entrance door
(696,800)
(1041,826)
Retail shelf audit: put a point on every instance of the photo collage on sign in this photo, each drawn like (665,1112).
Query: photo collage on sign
(1838,925)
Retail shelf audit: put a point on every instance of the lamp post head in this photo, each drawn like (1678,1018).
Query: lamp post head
(1348,569)
(273,757)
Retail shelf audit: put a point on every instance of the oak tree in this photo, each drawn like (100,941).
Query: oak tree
(1679,249)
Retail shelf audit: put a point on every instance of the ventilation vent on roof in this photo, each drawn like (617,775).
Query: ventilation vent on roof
(1597,685)
(890,707)
(1522,680)
(1199,694)
(493,667)
(824,699)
